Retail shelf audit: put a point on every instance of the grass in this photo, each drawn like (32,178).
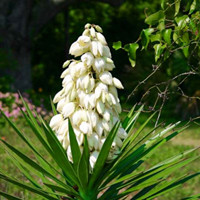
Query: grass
(188,139)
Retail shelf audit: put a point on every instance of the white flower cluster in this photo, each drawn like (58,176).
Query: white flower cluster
(89,96)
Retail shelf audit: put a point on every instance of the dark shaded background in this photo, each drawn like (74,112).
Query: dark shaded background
(35,37)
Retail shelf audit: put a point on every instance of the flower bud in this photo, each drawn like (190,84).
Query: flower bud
(117,83)
(101,39)
(86,32)
(58,96)
(98,28)
(87,26)
(66,63)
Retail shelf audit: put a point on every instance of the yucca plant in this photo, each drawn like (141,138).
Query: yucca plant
(93,154)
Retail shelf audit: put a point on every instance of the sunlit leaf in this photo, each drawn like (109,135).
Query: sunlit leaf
(167,35)
(193,7)
(177,7)
(117,45)
(155,18)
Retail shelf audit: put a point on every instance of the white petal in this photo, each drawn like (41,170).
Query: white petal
(76,117)
(109,66)
(67,80)
(113,99)
(87,58)
(80,139)
(68,109)
(93,158)
(117,83)
(65,143)
(94,118)
(122,133)
(84,115)
(86,101)
(94,48)
(58,96)
(103,97)
(103,86)
(106,125)
(106,51)
(65,72)
(93,141)
(85,127)
(90,143)
(118,141)
(56,121)
(92,100)
(73,94)
(69,153)
(84,41)
(98,91)
(100,107)
(76,49)
(60,105)
(63,130)
(101,38)
(113,90)
(99,128)
(92,32)
(69,87)
(100,48)
(80,69)
(106,77)
(106,115)
(91,85)
(86,81)
(118,108)
(99,64)
(96,141)
(101,142)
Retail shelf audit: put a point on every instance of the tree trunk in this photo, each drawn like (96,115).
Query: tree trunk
(20,22)
(22,73)
(14,34)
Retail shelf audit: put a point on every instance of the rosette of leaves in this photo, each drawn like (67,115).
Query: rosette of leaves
(53,176)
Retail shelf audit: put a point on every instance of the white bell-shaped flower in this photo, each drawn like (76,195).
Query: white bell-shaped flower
(89,96)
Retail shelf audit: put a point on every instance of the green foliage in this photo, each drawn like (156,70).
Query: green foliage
(77,181)
(171,29)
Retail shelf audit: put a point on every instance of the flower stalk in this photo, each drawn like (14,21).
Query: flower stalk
(89,96)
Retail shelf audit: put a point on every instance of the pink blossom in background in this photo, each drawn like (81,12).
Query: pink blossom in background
(10,104)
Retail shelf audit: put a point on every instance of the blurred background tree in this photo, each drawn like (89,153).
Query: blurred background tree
(35,37)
